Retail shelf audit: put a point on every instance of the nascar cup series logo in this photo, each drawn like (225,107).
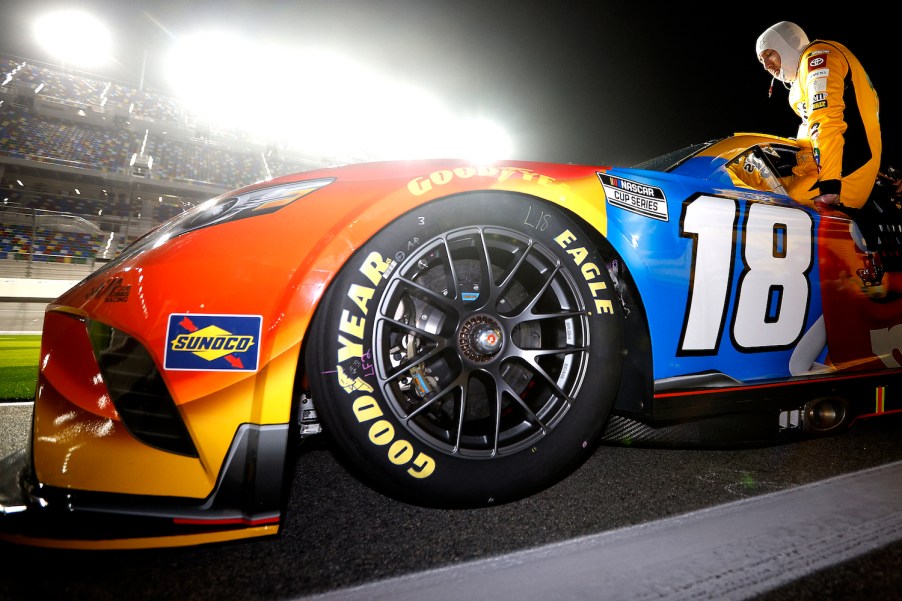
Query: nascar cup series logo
(634,196)
(200,342)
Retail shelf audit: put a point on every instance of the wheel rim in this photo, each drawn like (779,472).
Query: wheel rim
(481,342)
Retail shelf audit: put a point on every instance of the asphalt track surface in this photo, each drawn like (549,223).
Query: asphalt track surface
(818,519)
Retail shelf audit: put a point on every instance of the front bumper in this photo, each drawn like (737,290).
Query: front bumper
(37,515)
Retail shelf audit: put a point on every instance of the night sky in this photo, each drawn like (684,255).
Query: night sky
(575,82)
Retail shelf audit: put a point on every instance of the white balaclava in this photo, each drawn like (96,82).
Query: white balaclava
(788,40)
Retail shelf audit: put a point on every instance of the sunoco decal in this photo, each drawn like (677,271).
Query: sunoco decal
(200,342)
(635,197)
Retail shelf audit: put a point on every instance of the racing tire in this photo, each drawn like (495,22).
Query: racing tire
(469,353)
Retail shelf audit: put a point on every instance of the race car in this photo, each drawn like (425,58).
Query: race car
(465,334)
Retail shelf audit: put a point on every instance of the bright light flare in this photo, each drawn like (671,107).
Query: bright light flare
(213,72)
(322,102)
(75,38)
(481,140)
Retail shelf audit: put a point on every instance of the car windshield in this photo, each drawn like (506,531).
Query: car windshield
(671,160)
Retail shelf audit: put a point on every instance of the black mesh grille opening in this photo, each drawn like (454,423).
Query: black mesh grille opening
(138,391)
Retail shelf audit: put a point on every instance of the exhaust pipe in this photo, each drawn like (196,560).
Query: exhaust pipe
(824,414)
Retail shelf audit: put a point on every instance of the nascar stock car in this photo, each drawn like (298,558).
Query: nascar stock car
(465,333)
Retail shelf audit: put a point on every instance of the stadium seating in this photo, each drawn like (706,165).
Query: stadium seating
(47,245)
(58,119)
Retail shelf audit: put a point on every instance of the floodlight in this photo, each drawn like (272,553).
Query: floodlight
(74,37)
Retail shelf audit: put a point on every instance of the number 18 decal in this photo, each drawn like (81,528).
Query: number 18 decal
(773,291)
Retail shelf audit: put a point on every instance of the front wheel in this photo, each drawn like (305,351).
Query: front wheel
(470,352)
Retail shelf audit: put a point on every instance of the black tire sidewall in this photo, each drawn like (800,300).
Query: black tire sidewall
(457,481)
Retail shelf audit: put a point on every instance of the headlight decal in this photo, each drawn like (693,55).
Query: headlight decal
(224,209)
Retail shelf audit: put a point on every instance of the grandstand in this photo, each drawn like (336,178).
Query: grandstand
(88,164)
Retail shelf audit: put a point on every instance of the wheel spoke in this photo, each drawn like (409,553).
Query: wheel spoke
(531,356)
(526,313)
(439,345)
(512,273)
(435,399)
(461,416)
(452,269)
(419,332)
(516,397)
(561,315)
(428,294)
(499,397)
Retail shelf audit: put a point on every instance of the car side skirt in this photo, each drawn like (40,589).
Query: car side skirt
(726,414)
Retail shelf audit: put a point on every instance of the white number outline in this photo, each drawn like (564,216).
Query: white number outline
(773,293)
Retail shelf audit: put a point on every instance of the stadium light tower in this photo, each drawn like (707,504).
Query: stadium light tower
(74,37)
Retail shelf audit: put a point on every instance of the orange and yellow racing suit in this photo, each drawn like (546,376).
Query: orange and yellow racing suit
(840,111)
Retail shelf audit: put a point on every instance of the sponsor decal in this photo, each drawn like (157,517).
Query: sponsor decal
(887,344)
(815,131)
(119,294)
(199,342)
(112,291)
(816,62)
(880,398)
(635,197)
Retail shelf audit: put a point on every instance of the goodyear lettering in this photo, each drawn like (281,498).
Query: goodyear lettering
(375,267)
(400,452)
(349,349)
(351,328)
(590,271)
(351,325)
(366,408)
(361,295)
(421,185)
(382,433)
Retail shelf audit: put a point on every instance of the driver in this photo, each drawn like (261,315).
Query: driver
(750,171)
(832,94)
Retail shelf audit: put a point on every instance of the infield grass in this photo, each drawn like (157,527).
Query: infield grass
(19,356)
